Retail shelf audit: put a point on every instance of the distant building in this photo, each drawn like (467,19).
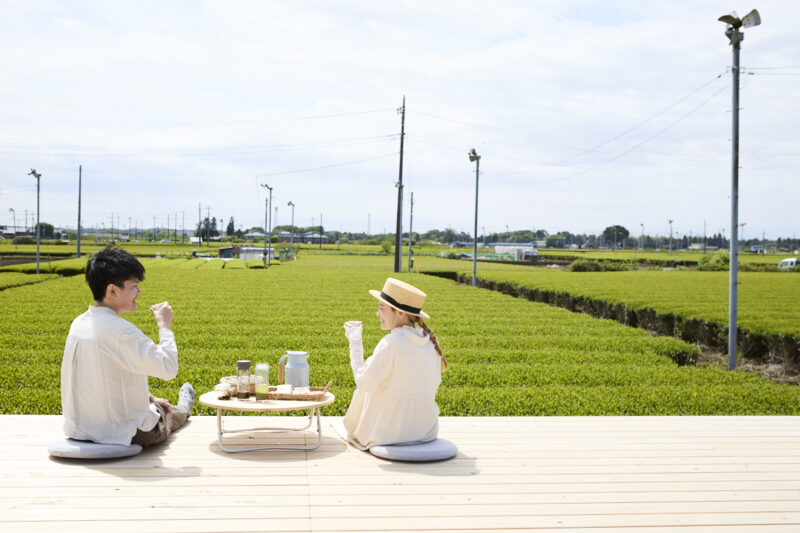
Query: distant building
(314,238)
(245,252)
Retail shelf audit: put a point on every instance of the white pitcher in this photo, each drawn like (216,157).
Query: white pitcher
(296,369)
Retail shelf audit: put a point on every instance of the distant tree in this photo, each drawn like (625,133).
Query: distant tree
(47,230)
(230,230)
(449,235)
(615,234)
(207,229)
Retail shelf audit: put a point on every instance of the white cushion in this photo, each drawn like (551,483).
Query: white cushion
(81,449)
(435,450)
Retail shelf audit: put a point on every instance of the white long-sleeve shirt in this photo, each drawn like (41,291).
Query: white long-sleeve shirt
(104,392)
(395,398)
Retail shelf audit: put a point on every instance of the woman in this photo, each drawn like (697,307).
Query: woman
(395,397)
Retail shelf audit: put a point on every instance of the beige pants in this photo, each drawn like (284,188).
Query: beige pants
(167,423)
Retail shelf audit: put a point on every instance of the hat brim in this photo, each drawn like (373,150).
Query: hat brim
(377,295)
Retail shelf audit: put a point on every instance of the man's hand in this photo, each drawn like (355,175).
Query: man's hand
(162,402)
(163,314)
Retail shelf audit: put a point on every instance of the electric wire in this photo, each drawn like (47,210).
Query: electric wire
(102,151)
(344,163)
(634,147)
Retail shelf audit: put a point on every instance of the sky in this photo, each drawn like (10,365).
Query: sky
(585,114)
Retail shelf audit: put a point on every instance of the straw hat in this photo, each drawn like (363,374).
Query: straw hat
(402,296)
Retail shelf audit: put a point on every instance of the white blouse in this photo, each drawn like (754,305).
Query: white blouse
(395,397)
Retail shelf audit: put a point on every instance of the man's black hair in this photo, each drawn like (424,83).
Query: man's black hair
(111,265)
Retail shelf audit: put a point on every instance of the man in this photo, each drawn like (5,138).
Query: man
(107,360)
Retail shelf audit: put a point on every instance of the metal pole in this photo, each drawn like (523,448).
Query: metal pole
(14,215)
(269,249)
(266,214)
(410,233)
(670,237)
(292,234)
(398,242)
(734,268)
(38,228)
(78,252)
(475,231)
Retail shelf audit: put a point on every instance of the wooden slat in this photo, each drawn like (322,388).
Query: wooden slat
(581,474)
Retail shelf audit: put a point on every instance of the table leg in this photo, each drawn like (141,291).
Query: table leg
(221,431)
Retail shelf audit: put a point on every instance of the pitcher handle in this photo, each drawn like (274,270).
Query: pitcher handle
(281,363)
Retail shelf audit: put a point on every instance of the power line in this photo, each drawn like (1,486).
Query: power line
(634,147)
(112,151)
(353,162)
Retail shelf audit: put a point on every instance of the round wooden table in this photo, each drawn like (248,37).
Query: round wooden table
(211,399)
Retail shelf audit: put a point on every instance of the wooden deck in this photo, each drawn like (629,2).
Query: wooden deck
(654,474)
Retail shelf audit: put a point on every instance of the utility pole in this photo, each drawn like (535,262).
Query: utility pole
(38,229)
(14,214)
(268,213)
(735,37)
(183,227)
(410,228)
(199,224)
(291,204)
(398,242)
(78,251)
(473,156)
(320,231)
(369,215)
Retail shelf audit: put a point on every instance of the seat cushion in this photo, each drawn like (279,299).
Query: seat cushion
(435,450)
(81,449)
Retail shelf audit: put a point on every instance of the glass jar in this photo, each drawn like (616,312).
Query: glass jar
(262,381)
(243,379)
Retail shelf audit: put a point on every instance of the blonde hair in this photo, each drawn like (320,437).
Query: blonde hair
(418,320)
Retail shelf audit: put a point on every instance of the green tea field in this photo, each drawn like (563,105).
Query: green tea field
(509,356)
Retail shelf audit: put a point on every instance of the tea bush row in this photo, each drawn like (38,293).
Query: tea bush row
(509,356)
(767,303)
(15,279)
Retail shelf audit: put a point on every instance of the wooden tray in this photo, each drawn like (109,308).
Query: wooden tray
(313,394)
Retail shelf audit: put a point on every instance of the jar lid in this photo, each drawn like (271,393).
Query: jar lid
(243,364)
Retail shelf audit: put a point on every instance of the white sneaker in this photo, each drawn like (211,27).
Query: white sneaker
(186,396)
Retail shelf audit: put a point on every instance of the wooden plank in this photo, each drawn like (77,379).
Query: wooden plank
(581,474)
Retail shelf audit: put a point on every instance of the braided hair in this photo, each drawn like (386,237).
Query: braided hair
(418,320)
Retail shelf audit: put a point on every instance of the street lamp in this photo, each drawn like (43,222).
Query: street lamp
(38,229)
(670,235)
(267,213)
(14,215)
(291,204)
(473,156)
(642,244)
(735,37)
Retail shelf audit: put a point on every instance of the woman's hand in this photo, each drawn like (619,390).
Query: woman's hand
(352,330)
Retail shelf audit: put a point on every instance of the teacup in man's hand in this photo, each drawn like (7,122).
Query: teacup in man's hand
(163,313)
